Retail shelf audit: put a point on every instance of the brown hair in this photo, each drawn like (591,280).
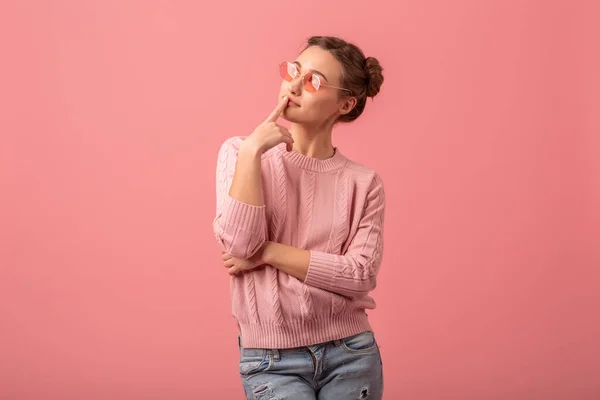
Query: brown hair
(361,75)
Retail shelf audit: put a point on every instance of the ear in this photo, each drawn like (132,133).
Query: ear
(347,105)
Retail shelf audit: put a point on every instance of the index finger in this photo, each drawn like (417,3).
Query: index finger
(278,110)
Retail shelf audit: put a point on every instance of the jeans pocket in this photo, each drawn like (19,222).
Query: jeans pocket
(363,343)
(253,361)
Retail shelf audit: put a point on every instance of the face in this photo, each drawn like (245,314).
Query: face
(307,106)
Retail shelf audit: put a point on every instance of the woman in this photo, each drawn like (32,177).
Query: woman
(301,227)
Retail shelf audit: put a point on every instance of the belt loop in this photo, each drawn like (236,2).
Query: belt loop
(275,354)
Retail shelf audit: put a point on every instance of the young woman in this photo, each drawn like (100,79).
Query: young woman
(301,227)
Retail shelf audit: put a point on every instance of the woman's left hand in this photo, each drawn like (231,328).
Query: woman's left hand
(236,266)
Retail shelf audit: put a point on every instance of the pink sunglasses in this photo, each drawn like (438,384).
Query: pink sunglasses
(312,82)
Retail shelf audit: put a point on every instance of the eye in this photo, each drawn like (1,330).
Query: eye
(316,82)
(292,70)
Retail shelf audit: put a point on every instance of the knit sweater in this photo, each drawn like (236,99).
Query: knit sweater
(335,209)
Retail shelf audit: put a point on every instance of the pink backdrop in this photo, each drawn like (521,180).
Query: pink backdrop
(485,133)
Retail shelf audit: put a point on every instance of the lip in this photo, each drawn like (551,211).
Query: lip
(291,102)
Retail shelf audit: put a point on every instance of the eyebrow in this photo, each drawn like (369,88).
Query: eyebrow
(312,70)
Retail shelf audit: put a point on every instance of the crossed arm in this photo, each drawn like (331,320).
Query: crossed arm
(291,260)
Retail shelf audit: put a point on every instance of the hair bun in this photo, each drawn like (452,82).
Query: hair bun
(374,76)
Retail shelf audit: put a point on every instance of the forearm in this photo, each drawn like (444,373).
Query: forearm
(291,260)
(246,186)
(335,273)
(240,221)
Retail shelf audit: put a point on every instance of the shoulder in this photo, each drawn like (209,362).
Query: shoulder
(370,183)
(364,175)
(232,143)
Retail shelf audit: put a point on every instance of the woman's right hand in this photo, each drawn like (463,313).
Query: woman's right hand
(269,134)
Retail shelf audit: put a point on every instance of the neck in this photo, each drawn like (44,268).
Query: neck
(313,142)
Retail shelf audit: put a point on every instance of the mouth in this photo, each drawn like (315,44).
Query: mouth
(292,103)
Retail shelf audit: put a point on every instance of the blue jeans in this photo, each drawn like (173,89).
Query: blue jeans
(348,368)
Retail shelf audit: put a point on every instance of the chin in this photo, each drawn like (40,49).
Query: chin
(291,116)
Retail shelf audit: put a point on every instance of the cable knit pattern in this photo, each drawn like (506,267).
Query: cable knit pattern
(335,209)
(250,290)
(307,183)
(306,208)
(337,304)
(278,195)
(273,274)
(338,235)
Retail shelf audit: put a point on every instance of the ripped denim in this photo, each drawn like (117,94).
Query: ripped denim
(349,368)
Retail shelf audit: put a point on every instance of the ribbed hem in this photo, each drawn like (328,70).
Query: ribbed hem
(313,164)
(243,216)
(320,272)
(320,330)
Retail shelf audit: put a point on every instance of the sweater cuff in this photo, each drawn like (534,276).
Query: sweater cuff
(243,216)
(321,270)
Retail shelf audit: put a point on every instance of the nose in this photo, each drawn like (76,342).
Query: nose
(295,86)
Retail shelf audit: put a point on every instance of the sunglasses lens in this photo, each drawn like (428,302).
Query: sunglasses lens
(312,83)
(288,71)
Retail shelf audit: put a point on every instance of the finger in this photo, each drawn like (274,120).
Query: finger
(285,133)
(226,256)
(233,271)
(289,143)
(228,264)
(286,137)
(283,130)
(278,110)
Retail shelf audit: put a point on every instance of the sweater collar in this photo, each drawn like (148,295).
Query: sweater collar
(313,164)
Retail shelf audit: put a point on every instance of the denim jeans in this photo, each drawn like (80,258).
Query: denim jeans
(343,369)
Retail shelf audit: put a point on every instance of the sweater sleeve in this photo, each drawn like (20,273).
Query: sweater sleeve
(239,228)
(353,274)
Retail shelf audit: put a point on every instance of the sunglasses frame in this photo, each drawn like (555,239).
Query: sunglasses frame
(306,78)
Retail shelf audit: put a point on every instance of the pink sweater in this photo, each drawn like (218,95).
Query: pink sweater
(335,209)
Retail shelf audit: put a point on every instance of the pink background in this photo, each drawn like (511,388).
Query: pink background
(486,134)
